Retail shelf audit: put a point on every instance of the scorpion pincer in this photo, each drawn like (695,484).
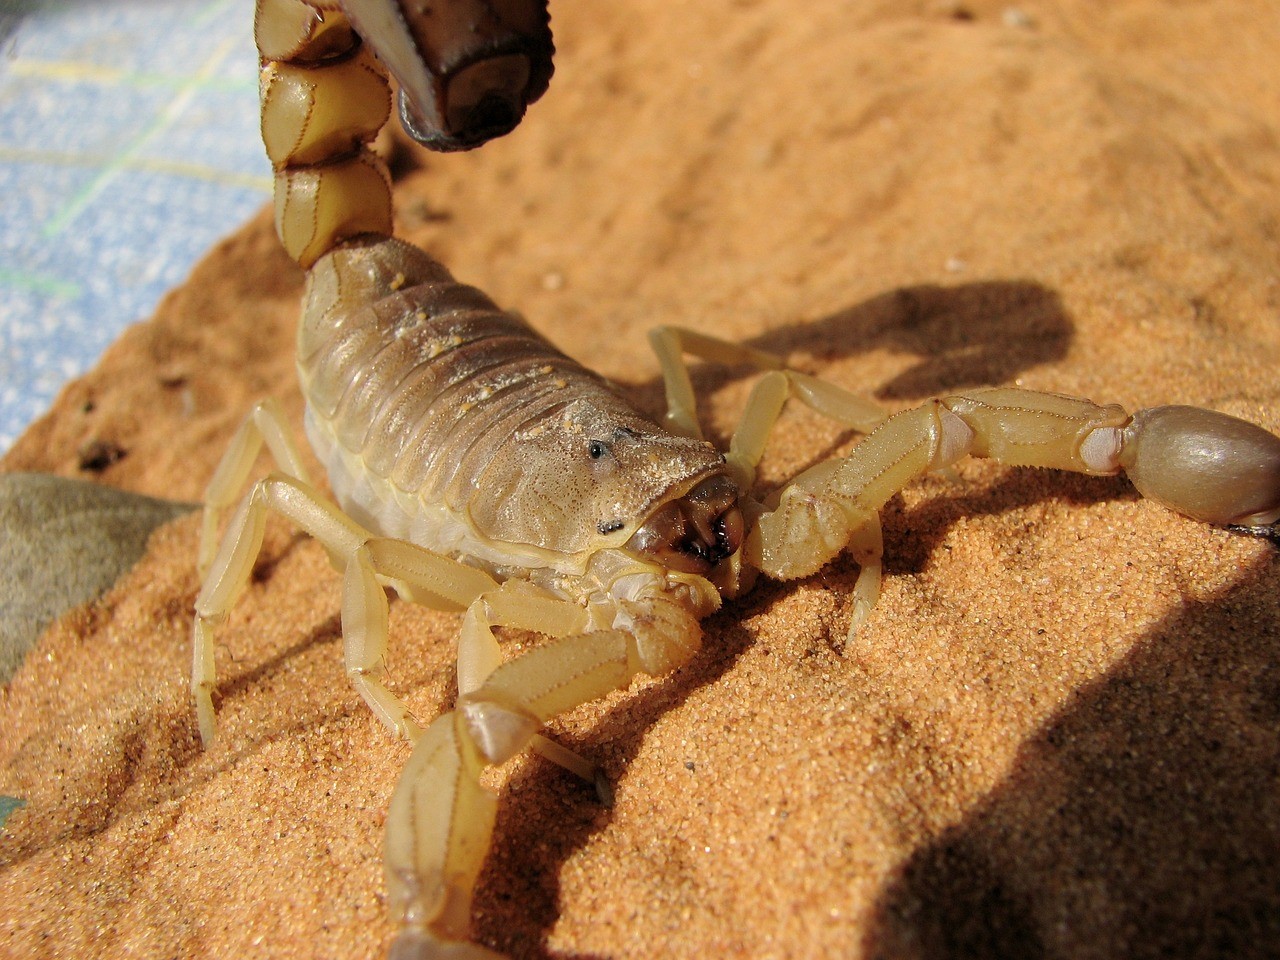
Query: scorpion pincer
(479,469)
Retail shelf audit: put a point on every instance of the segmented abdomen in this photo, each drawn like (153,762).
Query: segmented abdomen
(423,395)
(427,385)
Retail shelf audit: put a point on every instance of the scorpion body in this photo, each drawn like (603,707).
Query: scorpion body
(431,392)
(479,469)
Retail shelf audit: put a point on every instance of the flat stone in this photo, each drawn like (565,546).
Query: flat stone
(64,542)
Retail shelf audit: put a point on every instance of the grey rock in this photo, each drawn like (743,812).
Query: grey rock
(62,543)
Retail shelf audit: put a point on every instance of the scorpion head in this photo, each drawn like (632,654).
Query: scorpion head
(696,532)
(591,473)
(467,69)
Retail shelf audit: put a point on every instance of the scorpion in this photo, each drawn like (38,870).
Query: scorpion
(478,469)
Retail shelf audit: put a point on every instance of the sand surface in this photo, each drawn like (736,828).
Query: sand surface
(1058,735)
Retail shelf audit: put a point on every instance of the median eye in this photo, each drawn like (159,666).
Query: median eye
(597,449)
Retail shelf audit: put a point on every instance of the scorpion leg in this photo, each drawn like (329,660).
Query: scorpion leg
(746,448)
(765,404)
(265,424)
(671,344)
(415,573)
(368,564)
(1206,465)
(441,819)
(233,564)
(224,571)
(520,604)
(763,408)
(426,578)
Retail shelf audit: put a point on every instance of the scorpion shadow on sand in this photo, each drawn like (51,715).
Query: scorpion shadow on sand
(973,334)
(1141,821)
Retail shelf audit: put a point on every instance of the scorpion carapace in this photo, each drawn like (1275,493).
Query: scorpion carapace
(478,469)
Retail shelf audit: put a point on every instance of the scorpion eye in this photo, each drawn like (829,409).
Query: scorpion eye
(597,449)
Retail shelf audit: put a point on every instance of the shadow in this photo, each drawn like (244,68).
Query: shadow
(973,334)
(328,631)
(138,737)
(1142,821)
(969,335)
(913,536)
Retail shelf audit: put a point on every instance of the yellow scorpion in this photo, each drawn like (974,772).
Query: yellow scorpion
(478,469)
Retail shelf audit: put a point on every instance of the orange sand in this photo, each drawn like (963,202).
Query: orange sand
(1059,734)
